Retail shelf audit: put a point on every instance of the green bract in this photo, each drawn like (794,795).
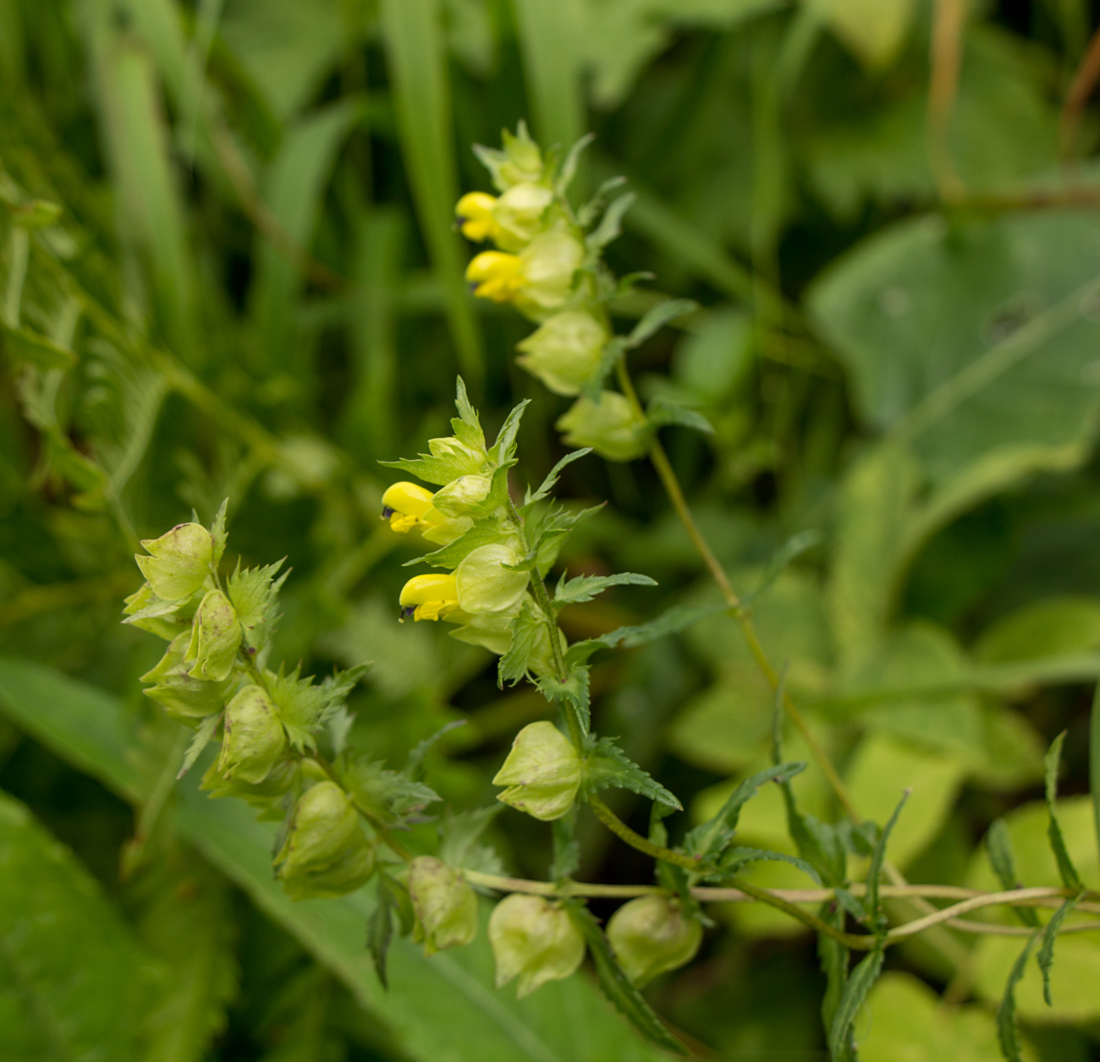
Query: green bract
(533,940)
(183,695)
(445,905)
(542,772)
(485,585)
(612,426)
(651,935)
(215,638)
(548,265)
(564,351)
(178,562)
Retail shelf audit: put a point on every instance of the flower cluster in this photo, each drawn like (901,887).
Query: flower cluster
(549,269)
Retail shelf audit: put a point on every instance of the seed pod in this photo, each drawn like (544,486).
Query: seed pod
(445,905)
(542,772)
(325,852)
(651,935)
(463,495)
(547,267)
(215,638)
(564,351)
(178,562)
(254,737)
(534,940)
(611,427)
(182,695)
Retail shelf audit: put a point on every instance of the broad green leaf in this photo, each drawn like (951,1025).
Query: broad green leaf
(443,1007)
(1051,627)
(73,980)
(418,72)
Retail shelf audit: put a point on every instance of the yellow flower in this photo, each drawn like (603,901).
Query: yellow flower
(475,217)
(429,597)
(408,506)
(496,275)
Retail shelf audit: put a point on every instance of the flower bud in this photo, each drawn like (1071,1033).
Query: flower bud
(445,905)
(612,427)
(215,638)
(483,583)
(565,351)
(519,213)
(467,459)
(520,161)
(325,852)
(462,496)
(651,935)
(534,940)
(178,562)
(547,266)
(254,737)
(542,772)
(429,597)
(183,696)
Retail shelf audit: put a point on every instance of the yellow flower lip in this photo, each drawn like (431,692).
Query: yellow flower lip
(405,505)
(475,216)
(495,275)
(429,597)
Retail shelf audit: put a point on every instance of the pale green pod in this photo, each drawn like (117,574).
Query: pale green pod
(462,495)
(215,638)
(547,266)
(533,940)
(178,562)
(254,738)
(445,905)
(542,772)
(612,427)
(564,351)
(485,585)
(182,695)
(651,935)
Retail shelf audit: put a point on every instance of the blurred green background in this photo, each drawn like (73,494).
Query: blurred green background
(254,290)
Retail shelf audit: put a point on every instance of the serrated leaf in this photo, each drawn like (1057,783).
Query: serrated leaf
(551,479)
(460,840)
(657,317)
(607,766)
(254,594)
(513,665)
(794,547)
(304,706)
(218,532)
(505,441)
(1008,1036)
(380,930)
(874,871)
(856,987)
(833,957)
(710,838)
(1050,935)
(611,224)
(389,795)
(673,621)
(203,736)
(573,692)
(466,412)
(998,846)
(414,766)
(1051,762)
(588,212)
(621,993)
(586,587)
(454,553)
(733,859)
(662,411)
(567,850)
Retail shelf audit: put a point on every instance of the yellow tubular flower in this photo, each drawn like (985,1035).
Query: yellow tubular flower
(404,505)
(475,217)
(429,597)
(495,275)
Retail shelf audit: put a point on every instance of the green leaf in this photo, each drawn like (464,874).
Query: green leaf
(460,841)
(389,795)
(834,958)
(618,988)
(551,479)
(656,317)
(254,593)
(793,548)
(380,929)
(1007,1034)
(573,692)
(662,411)
(876,917)
(856,987)
(1094,764)
(304,706)
(218,532)
(504,447)
(607,766)
(20,344)
(452,554)
(419,83)
(733,859)
(709,839)
(90,729)
(513,665)
(72,975)
(998,846)
(586,587)
(567,849)
(611,224)
(203,736)
(1050,935)
(676,619)
(1070,878)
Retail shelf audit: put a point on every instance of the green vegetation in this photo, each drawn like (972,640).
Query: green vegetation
(767,726)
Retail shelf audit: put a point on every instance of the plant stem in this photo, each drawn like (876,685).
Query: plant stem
(636,840)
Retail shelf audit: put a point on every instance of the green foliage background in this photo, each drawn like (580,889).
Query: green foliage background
(255,291)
